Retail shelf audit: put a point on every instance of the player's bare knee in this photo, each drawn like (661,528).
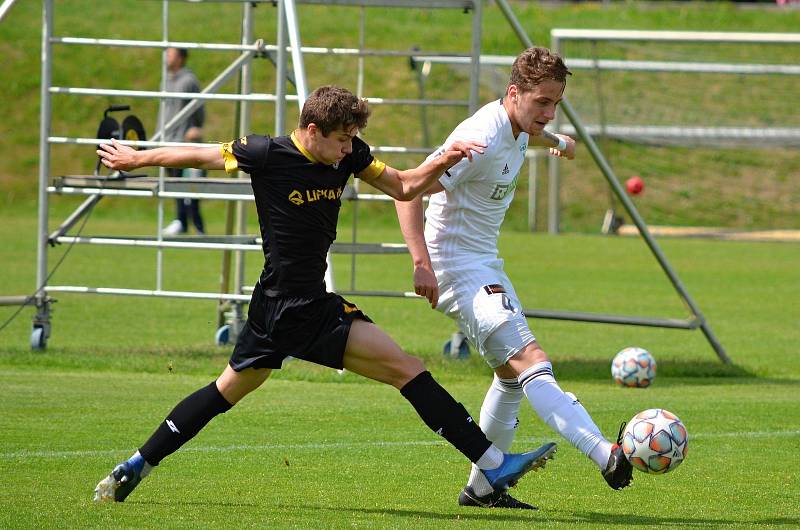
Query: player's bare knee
(405,369)
(534,353)
(235,385)
(525,358)
(415,366)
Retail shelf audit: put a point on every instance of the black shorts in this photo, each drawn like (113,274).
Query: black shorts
(312,329)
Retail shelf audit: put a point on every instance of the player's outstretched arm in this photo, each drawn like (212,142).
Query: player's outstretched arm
(124,158)
(405,185)
(553,141)
(412,224)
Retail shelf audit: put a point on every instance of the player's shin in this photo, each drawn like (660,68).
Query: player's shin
(563,412)
(499,421)
(500,410)
(449,419)
(184,422)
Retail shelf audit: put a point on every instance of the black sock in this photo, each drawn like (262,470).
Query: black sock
(183,423)
(445,416)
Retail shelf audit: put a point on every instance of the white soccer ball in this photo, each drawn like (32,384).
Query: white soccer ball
(633,367)
(655,441)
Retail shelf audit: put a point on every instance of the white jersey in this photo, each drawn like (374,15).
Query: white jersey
(463,222)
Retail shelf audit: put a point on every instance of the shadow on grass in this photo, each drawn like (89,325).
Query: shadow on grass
(472,515)
(192,359)
(573,368)
(573,519)
(691,371)
(579,518)
(670,371)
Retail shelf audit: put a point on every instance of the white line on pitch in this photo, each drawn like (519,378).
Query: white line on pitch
(219,449)
(349,445)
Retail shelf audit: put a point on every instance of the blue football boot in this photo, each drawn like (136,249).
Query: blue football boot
(515,465)
(119,484)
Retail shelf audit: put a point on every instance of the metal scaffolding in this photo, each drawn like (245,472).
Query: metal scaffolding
(237,191)
(287,51)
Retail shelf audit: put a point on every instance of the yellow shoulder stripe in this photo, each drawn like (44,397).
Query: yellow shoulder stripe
(372,171)
(231,164)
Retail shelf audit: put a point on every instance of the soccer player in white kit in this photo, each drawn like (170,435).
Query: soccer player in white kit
(456,267)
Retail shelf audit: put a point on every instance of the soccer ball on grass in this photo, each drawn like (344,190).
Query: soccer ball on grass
(655,441)
(633,367)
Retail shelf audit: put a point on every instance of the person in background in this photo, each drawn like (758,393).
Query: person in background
(181,79)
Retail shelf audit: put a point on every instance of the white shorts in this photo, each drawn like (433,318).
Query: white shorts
(483,302)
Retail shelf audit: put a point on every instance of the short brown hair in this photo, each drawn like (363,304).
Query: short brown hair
(331,107)
(535,65)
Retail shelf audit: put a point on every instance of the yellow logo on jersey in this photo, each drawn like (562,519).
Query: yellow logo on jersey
(324,193)
(331,194)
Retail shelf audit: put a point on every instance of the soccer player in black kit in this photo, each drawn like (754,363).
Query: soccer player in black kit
(297,182)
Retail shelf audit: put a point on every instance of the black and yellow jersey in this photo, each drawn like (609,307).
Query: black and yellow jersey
(298,201)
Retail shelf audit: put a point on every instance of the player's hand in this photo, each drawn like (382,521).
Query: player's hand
(118,156)
(569,152)
(461,149)
(425,284)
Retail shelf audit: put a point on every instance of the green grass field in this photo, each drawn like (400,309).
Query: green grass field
(313,449)
(316,449)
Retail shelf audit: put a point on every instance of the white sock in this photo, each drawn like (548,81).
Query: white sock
(491,459)
(600,454)
(564,413)
(499,421)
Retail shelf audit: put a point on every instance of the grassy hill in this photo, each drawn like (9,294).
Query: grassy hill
(688,186)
